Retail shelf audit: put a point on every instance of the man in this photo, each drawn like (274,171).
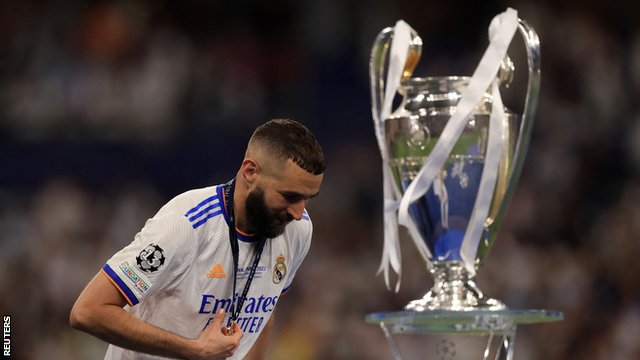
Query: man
(188,286)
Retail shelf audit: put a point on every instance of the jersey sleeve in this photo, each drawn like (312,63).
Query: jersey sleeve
(299,248)
(158,257)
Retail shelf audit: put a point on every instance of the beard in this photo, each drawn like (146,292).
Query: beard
(263,220)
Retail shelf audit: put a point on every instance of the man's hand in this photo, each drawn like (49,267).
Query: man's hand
(214,343)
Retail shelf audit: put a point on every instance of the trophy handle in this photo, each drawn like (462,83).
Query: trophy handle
(532,44)
(378,69)
(377,72)
(531,102)
(383,72)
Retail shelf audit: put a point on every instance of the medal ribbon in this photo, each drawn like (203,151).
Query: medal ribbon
(235,251)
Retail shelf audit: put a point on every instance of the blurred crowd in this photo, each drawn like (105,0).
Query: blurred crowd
(110,108)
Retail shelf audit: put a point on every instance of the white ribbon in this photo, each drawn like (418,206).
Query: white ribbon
(391,249)
(502,30)
(397,60)
(473,235)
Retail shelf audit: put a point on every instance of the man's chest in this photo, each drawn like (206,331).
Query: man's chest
(209,285)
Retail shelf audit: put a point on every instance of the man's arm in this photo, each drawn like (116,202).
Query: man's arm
(259,348)
(99,312)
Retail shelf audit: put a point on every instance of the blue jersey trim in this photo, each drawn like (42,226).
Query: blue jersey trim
(124,289)
(195,215)
(223,203)
(204,220)
(246,237)
(203,203)
(204,211)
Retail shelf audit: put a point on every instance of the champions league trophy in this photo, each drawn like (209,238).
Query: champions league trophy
(452,154)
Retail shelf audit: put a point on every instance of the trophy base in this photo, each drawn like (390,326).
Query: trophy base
(441,334)
(453,290)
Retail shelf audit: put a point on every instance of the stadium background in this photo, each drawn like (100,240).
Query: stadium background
(110,108)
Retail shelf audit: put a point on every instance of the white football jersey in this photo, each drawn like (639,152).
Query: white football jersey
(178,271)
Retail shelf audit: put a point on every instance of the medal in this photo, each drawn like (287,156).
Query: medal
(229,330)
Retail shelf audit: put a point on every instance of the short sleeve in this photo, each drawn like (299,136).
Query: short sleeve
(299,244)
(158,257)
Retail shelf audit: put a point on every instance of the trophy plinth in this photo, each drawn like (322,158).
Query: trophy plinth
(453,290)
(444,334)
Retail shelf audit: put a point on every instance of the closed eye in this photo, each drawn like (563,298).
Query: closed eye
(292,197)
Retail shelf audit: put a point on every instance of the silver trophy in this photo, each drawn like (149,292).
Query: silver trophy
(443,214)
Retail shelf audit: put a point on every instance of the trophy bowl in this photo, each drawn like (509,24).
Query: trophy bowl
(443,213)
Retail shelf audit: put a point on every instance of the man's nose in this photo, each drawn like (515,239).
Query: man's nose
(296,209)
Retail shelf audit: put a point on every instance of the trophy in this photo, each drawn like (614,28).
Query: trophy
(452,154)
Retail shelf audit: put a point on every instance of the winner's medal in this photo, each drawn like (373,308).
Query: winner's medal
(229,329)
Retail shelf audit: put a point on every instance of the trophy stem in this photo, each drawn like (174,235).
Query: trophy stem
(453,289)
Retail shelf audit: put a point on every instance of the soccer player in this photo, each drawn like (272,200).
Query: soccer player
(202,278)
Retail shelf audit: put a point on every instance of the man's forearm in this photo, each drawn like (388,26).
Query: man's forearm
(116,326)
(99,311)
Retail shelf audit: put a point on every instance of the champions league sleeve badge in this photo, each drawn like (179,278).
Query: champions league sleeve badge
(279,270)
(151,258)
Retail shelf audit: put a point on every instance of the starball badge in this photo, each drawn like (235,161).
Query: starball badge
(150,258)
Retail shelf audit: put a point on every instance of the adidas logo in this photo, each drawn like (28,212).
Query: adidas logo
(216,272)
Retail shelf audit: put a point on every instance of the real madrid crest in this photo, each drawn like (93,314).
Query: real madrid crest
(280,270)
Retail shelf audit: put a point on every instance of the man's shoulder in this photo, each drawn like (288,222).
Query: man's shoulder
(192,200)
(197,206)
(297,229)
(304,222)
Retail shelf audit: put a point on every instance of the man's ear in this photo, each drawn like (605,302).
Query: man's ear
(250,170)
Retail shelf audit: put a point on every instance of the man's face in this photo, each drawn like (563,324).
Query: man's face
(278,200)
(266,221)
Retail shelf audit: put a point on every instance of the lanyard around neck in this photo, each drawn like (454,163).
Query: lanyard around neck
(236,308)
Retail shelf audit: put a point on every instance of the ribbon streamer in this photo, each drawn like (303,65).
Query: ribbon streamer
(473,235)
(391,259)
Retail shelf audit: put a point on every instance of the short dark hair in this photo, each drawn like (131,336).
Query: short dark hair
(288,139)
